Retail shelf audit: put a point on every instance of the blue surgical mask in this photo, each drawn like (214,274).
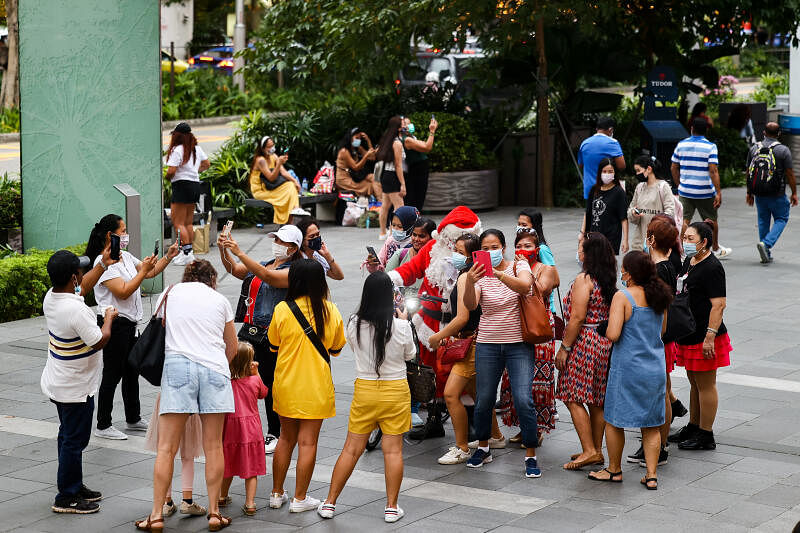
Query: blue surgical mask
(646,249)
(690,249)
(399,235)
(459,261)
(497,257)
(411,129)
(356,143)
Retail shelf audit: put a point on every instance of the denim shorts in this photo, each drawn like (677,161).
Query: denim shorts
(189,387)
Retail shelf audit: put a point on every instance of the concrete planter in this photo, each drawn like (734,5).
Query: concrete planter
(476,189)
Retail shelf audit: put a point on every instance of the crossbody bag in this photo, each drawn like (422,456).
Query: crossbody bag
(309,331)
(249,332)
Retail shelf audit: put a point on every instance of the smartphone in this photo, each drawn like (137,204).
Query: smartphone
(115,247)
(155,248)
(482,257)
(226,231)
(371,251)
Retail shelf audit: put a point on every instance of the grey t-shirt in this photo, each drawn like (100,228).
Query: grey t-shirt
(783,157)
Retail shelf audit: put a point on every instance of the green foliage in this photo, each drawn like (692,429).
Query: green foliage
(456,146)
(10,202)
(24,282)
(732,177)
(206,93)
(754,61)
(732,150)
(772,84)
(9,120)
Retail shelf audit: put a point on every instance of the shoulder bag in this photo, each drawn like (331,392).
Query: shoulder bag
(309,331)
(147,355)
(421,378)
(272,185)
(454,350)
(535,323)
(249,332)
(680,321)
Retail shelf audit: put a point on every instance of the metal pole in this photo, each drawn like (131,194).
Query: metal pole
(171,68)
(239,36)
(133,217)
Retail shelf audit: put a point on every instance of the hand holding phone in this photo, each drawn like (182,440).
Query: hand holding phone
(226,231)
(483,258)
(155,248)
(115,243)
(372,255)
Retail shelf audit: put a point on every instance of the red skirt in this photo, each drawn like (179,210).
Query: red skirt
(670,353)
(691,356)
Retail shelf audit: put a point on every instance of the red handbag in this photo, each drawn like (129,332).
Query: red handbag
(454,350)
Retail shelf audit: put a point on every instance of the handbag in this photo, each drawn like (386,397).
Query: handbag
(272,185)
(558,322)
(454,350)
(421,378)
(309,331)
(249,332)
(680,321)
(147,355)
(535,322)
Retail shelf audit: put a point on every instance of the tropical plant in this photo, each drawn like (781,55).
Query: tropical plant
(10,202)
(772,84)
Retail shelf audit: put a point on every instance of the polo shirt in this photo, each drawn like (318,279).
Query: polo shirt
(593,150)
(694,154)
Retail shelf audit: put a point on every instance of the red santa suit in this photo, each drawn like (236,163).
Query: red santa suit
(439,276)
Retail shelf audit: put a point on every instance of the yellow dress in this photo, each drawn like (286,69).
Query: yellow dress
(303,385)
(283,199)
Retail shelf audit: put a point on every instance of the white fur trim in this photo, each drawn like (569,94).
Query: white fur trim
(424,332)
(396,278)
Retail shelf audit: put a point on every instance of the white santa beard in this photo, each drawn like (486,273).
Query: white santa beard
(440,272)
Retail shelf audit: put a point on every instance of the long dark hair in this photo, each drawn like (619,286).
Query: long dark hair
(306,278)
(347,140)
(386,144)
(600,264)
(598,182)
(497,233)
(471,244)
(705,230)
(536,221)
(642,271)
(376,308)
(188,141)
(97,237)
(645,161)
(260,151)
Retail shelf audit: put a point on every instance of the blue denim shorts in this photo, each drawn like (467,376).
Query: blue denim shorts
(189,387)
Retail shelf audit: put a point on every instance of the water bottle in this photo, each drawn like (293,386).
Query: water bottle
(259,225)
(304,186)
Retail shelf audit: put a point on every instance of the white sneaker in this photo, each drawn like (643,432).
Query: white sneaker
(454,456)
(299,212)
(193,509)
(276,501)
(723,253)
(270,442)
(393,515)
(309,504)
(494,444)
(110,433)
(326,510)
(141,425)
(416,420)
(168,509)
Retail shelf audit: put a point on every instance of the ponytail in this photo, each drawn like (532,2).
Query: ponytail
(642,271)
(658,294)
(97,237)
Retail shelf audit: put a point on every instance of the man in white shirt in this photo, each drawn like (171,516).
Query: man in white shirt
(72,373)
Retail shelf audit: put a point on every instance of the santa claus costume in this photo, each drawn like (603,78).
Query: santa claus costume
(439,276)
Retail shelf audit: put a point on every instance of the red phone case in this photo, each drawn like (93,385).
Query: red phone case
(482,257)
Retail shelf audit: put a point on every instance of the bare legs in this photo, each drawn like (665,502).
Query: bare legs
(170,430)
(182,216)
(590,426)
(215,460)
(304,434)
(704,398)
(615,441)
(393,198)
(667,413)
(651,444)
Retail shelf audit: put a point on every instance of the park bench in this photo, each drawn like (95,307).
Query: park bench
(309,203)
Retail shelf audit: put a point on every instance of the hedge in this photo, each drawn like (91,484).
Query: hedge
(24,283)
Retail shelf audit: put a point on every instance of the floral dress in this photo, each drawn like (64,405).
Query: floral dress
(585,377)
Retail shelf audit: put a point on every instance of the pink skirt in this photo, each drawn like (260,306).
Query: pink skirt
(691,356)
(192,441)
(243,446)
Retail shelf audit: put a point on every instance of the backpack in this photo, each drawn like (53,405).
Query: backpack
(762,178)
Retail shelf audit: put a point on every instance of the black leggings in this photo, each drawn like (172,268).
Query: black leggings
(417,184)
(266,369)
(116,369)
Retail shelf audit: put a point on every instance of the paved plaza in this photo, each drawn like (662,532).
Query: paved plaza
(751,481)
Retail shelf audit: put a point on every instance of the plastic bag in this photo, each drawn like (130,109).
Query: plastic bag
(351,214)
(324,180)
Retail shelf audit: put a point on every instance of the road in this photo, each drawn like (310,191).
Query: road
(209,137)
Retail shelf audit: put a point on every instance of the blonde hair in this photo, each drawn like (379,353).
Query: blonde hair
(240,365)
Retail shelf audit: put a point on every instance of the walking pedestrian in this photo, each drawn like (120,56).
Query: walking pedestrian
(636,375)
(602,145)
(582,359)
(708,348)
(354,163)
(695,169)
(651,197)
(272,183)
(417,159)
(314,247)
(607,208)
(305,331)
(393,182)
(185,161)
(382,341)
(769,170)
(699,111)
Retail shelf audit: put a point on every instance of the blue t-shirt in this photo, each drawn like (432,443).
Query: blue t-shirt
(592,151)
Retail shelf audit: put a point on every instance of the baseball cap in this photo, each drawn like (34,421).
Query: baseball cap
(288,233)
(182,127)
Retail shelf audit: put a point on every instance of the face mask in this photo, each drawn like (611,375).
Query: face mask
(315,244)
(411,129)
(124,240)
(690,249)
(356,143)
(280,251)
(646,249)
(530,255)
(271,150)
(399,235)
(497,257)
(459,261)
(77,286)
(607,177)
(641,177)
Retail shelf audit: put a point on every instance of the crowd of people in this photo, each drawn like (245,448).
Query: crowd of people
(659,305)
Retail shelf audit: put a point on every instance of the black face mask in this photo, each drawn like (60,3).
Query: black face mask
(641,177)
(315,244)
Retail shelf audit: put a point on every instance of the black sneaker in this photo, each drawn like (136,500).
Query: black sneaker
(678,410)
(686,432)
(663,456)
(637,457)
(701,440)
(89,495)
(74,505)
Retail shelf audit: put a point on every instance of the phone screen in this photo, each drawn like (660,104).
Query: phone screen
(482,257)
(114,247)
(371,251)
(155,248)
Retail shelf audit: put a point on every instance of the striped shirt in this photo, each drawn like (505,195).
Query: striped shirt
(694,154)
(500,323)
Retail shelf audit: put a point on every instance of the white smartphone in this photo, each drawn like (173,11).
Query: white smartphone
(226,231)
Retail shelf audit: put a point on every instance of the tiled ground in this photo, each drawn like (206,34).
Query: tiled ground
(752,480)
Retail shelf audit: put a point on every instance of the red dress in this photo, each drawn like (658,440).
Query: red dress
(242,440)
(586,375)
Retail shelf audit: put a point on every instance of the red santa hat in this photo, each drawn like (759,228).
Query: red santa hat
(457,222)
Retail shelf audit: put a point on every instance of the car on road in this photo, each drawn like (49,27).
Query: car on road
(219,58)
(180,64)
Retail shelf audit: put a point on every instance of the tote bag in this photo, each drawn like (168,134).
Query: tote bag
(147,355)
(535,322)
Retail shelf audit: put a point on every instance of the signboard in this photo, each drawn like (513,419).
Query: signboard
(661,94)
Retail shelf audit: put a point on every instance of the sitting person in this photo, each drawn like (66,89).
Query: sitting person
(271,182)
(352,169)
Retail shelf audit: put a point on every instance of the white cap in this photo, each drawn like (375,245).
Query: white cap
(288,233)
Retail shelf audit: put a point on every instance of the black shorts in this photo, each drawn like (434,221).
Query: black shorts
(185,192)
(389,181)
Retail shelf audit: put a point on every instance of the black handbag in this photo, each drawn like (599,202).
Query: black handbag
(147,355)
(680,321)
(421,378)
(249,332)
(272,185)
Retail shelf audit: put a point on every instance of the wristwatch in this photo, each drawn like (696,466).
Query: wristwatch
(566,348)
(105,267)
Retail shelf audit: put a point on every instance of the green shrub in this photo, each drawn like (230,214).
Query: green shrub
(9,120)
(731,147)
(772,84)
(456,146)
(206,93)
(732,177)
(10,202)
(24,282)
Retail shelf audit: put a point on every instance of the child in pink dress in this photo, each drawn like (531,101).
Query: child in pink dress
(242,438)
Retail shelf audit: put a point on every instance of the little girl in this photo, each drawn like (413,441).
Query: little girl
(191,447)
(242,440)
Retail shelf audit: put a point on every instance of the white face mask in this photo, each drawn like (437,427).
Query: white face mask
(124,240)
(607,177)
(271,150)
(280,251)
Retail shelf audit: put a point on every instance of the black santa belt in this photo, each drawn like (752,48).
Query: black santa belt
(439,316)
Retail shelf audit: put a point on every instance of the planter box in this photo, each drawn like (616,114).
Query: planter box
(12,237)
(476,189)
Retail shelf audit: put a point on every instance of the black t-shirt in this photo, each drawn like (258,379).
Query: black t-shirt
(605,211)
(666,271)
(704,281)
(675,259)
(474,315)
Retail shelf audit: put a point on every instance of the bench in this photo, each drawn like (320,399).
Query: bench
(309,202)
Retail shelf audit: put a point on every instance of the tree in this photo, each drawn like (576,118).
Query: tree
(9,91)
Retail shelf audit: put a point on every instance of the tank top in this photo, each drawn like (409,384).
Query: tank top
(474,316)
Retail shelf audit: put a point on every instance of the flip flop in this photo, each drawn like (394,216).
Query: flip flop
(576,455)
(646,482)
(609,479)
(577,465)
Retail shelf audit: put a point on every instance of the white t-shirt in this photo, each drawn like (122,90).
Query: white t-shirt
(196,318)
(131,307)
(73,369)
(316,256)
(399,349)
(189,171)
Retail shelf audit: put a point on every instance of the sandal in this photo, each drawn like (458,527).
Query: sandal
(611,476)
(249,510)
(222,521)
(150,525)
(516,438)
(646,482)
(577,465)
(576,455)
